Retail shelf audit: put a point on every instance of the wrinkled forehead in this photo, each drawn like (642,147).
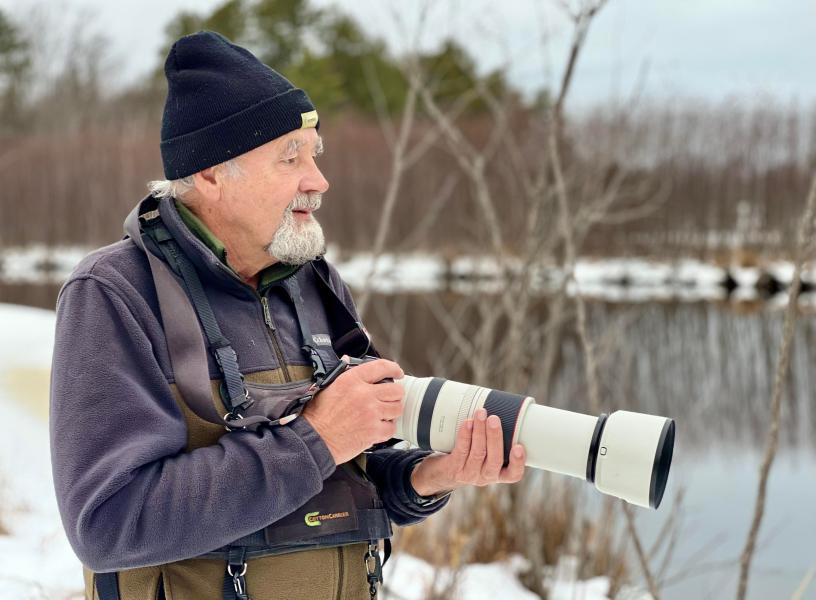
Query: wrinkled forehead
(292,142)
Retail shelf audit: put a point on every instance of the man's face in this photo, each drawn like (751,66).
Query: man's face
(273,200)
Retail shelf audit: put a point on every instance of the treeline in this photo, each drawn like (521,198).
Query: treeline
(322,50)
(703,180)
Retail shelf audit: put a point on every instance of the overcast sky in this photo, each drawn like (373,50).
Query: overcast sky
(703,49)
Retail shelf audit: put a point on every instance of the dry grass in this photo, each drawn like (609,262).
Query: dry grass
(542,519)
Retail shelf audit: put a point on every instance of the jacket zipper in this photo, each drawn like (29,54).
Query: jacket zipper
(340,567)
(274,335)
(267,315)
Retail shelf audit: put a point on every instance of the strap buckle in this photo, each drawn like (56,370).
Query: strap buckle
(329,377)
(239,581)
(234,414)
(373,567)
(317,363)
(150,215)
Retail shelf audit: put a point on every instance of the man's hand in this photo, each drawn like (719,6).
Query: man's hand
(356,411)
(476,459)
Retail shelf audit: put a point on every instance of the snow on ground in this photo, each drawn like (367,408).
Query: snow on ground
(28,336)
(410,578)
(36,561)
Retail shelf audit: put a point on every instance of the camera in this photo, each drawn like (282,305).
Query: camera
(624,454)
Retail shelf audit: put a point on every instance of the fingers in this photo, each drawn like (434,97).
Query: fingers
(478,449)
(461,447)
(514,471)
(389,392)
(389,410)
(390,403)
(495,450)
(376,370)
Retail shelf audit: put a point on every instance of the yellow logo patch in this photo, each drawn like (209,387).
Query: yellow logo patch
(308,119)
(314,519)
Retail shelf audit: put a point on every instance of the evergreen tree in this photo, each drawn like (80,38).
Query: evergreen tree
(15,64)
(329,55)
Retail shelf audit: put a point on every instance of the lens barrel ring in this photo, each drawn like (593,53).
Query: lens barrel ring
(594,447)
(507,407)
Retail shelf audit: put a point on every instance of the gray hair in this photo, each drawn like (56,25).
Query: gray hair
(178,188)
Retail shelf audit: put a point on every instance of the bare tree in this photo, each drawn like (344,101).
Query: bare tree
(493,340)
(805,243)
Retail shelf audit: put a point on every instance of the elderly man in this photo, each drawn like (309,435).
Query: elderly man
(207,441)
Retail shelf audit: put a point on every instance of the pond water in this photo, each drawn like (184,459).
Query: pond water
(711,368)
(708,365)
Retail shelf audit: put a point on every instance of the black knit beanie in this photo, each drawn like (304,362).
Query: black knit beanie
(222,102)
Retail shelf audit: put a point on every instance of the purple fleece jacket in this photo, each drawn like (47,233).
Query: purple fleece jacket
(128,493)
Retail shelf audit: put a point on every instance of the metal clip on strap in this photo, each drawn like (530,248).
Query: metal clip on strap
(373,569)
(235,587)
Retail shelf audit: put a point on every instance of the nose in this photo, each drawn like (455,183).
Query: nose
(314,181)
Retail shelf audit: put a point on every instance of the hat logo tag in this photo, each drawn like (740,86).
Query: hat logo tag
(308,119)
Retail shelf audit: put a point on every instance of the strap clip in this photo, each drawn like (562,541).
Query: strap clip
(329,377)
(317,363)
(239,581)
(236,569)
(373,568)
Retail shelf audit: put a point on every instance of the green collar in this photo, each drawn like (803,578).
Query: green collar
(267,277)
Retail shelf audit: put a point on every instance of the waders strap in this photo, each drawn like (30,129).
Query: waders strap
(107,586)
(188,352)
(320,352)
(235,397)
(188,355)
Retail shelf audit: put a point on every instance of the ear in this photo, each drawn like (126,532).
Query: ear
(208,184)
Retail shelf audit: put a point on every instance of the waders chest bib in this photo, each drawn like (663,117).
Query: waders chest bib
(348,510)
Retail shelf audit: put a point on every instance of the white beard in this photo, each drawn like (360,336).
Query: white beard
(296,243)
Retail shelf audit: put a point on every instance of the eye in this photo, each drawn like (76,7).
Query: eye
(290,161)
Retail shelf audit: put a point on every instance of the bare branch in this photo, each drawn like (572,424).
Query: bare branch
(804,584)
(644,562)
(772,440)
(392,191)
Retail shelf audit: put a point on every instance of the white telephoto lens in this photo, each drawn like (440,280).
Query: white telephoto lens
(626,454)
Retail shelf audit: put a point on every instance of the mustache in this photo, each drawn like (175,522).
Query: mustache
(309,201)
